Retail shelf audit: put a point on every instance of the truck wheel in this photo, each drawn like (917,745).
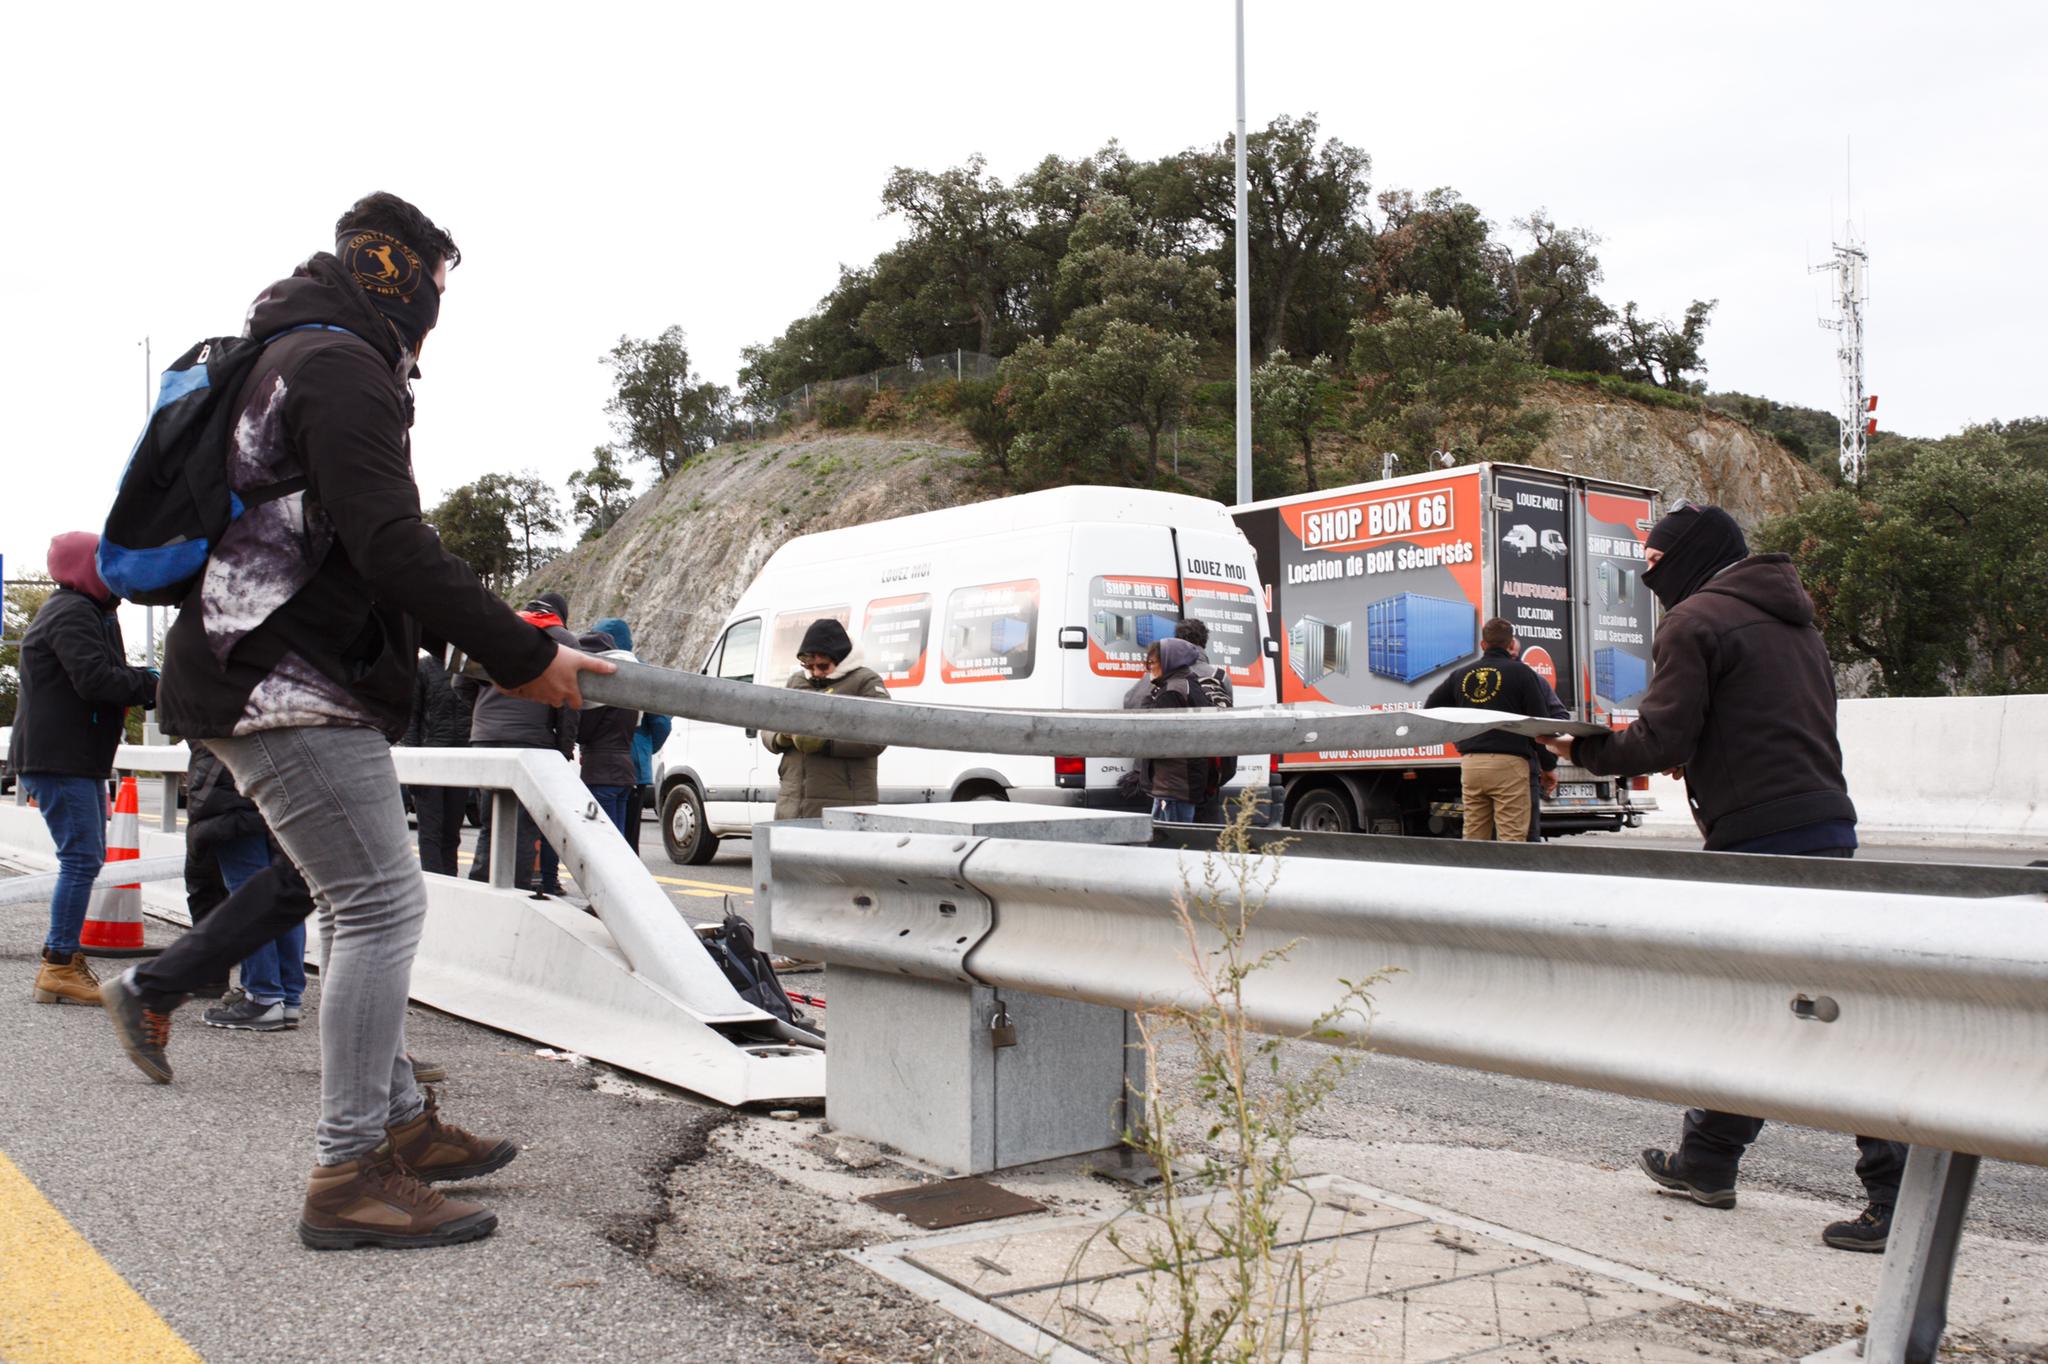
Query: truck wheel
(1324,812)
(685,832)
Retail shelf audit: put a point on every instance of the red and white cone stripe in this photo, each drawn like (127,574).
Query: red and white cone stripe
(114,918)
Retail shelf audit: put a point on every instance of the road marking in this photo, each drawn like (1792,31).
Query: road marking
(698,890)
(60,1303)
(703,885)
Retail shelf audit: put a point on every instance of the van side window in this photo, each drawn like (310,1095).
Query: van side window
(788,633)
(991,632)
(734,658)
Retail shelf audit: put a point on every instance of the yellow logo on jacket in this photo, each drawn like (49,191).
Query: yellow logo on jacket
(383,265)
(1481,686)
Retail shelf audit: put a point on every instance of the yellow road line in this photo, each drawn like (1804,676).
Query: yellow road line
(60,1303)
(703,885)
(701,890)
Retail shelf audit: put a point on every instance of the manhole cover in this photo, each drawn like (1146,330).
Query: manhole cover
(953,1203)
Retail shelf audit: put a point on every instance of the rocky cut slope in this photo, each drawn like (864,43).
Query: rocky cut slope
(673,565)
(1699,456)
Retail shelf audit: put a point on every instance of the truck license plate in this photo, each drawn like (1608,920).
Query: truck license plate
(1577,790)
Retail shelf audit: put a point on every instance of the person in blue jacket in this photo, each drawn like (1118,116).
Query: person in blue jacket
(648,737)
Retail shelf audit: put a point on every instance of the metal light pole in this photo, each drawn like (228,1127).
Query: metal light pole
(1244,298)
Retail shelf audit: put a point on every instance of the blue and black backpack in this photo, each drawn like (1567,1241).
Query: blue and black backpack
(174,502)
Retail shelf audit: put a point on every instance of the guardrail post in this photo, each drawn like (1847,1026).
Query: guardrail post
(925,1058)
(168,820)
(1911,1310)
(504,817)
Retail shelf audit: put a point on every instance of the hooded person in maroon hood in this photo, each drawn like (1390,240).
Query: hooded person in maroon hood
(294,657)
(76,687)
(1742,701)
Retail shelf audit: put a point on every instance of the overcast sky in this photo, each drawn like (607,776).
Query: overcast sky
(612,168)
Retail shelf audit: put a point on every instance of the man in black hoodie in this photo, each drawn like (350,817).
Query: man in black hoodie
(1742,701)
(294,658)
(1494,767)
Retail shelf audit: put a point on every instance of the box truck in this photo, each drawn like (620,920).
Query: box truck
(1044,601)
(1416,564)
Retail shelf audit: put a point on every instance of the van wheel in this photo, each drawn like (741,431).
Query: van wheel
(685,832)
(1324,812)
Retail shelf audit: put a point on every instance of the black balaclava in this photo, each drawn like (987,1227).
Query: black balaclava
(399,283)
(1697,542)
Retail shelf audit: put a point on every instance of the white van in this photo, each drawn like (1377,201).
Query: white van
(1044,601)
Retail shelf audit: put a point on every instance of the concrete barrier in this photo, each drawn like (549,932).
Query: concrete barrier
(1946,770)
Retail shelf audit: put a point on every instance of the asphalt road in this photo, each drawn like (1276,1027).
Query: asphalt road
(190,1190)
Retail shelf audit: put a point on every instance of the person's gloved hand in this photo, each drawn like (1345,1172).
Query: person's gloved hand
(808,743)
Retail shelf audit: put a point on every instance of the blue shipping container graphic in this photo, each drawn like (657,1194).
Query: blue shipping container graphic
(1409,635)
(1007,634)
(1618,675)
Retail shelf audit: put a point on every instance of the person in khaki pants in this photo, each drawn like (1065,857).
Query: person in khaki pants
(1495,765)
(1496,792)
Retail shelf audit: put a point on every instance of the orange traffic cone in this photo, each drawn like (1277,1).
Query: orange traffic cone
(114,918)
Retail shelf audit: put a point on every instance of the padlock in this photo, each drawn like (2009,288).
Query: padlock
(1001,1031)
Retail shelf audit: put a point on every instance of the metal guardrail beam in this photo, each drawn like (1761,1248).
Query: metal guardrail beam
(21,890)
(1102,734)
(1936,1008)
(635,986)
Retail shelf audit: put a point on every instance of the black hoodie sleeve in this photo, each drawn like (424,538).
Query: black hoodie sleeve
(1673,712)
(345,416)
(98,673)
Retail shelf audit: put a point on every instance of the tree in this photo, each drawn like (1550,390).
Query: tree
(1107,275)
(662,411)
(1305,213)
(968,241)
(1655,352)
(599,495)
(826,343)
(474,522)
(1430,384)
(1442,248)
(1935,571)
(24,597)
(532,514)
(1555,306)
(1287,403)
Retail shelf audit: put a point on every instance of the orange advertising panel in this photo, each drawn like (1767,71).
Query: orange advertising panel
(1379,595)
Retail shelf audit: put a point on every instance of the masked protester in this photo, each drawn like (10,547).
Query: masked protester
(294,657)
(76,686)
(1742,705)
(818,773)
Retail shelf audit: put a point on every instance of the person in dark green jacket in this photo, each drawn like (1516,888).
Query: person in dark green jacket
(817,773)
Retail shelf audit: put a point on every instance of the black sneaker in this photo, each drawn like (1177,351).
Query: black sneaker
(247,1015)
(1870,1230)
(144,1032)
(1664,1171)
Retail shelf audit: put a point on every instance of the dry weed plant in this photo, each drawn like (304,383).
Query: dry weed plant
(1220,1285)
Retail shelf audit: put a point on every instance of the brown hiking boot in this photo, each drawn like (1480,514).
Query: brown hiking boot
(437,1152)
(375,1201)
(64,980)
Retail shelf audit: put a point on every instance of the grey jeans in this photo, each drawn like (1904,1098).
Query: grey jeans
(331,797)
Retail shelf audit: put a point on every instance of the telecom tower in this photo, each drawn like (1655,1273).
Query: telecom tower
(1849,268)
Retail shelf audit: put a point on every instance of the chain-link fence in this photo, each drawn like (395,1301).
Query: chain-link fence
(958,365)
